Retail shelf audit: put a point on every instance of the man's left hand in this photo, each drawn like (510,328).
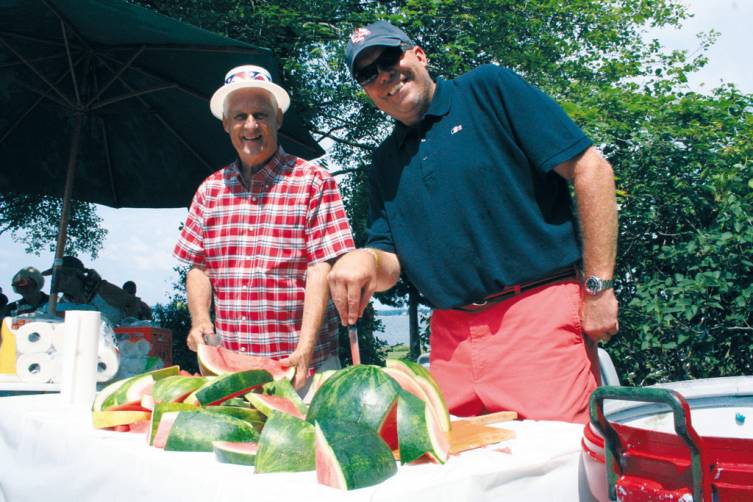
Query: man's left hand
(300,360)
(599,316)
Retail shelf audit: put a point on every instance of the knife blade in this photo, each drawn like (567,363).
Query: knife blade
(355,353)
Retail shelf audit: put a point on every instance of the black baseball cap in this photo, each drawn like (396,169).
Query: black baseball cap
(380,33)
(68,262)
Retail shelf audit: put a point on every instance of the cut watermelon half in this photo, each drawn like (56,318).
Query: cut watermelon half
(221,361)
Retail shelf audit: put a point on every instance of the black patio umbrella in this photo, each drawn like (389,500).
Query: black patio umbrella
(107,102)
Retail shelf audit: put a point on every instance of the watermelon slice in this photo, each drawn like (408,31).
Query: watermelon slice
(286,444)
(195,430)
(253,417)
(221,361)
(267,404)
(105,419)
(175,388)
(120,392)
(161,409)
(362,394)
(418,432)
(351,456)
(231,385)
(284,388)
(166,423)
(316,381)
(234,452)
(419,375)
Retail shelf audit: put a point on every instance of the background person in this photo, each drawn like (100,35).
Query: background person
(469,198)
(260,235)
(28,282)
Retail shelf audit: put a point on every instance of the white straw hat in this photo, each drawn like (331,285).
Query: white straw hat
(247,76)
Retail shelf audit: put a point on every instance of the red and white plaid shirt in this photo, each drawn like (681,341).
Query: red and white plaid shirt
(257,244)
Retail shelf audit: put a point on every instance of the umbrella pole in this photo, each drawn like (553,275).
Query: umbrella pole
(63,228)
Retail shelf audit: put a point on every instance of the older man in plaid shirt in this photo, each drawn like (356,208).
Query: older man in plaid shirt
(261,235)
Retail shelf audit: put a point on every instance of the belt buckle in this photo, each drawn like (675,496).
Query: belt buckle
(482,303)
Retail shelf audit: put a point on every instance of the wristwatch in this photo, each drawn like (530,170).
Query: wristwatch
(595,284)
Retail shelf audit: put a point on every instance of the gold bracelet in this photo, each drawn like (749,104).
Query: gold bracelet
(375,254)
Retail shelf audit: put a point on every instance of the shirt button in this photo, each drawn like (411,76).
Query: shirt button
(245,286)
(243,349)
(243,318)
(253,198)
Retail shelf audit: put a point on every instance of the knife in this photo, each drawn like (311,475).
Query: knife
(355,354)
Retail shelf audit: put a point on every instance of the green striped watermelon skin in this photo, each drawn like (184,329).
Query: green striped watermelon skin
(415,426)
(253,417)
(174,387)
(286,444)
(117,393)
(231,385)
(195,430)
(159,410)
(430,387)
(284,388)
(362,394)
(355,452)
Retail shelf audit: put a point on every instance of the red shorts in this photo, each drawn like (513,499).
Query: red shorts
(526,354)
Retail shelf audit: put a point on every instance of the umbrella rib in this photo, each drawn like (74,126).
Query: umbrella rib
(70,62)
(164,122)
(67,21)
(115,77)
(37,72)
(130,95)
(178,86)
(108,160)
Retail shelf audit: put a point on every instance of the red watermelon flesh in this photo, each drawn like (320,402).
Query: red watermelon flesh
(163,430)
(388,432)
(220,361)
(140,427)
(132,406)
(267,403)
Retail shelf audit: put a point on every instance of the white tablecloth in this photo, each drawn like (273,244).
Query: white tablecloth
(50,452)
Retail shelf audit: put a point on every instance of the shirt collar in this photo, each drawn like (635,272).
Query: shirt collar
(440,105)
(274,166)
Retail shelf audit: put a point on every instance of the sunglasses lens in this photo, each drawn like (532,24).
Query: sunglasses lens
(386,60)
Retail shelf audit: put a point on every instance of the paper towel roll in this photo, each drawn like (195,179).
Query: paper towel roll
(38,367)
(108,363)
(35,337)
(79,376)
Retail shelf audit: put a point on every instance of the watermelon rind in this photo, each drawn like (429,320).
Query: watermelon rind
(286,444)
(175,388)
(253,417)
(194,430)
(221,361)
(104,419)
(117,393)
(354,453)
(239,453)
(284,388)
(129,392)
(417,431)
(316,381)
(231,385)
(428,384)
(159,410)
(363,394)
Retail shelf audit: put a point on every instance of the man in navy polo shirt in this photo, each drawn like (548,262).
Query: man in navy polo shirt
(469,199)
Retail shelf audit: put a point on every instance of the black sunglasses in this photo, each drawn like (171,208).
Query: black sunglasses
(386,60)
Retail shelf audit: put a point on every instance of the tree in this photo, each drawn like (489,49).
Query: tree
(684,273)
(33,220)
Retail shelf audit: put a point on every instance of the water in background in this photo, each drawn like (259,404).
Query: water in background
(396,329)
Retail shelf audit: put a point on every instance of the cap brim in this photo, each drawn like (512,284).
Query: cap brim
(47,272)
(218,98)
(374,42)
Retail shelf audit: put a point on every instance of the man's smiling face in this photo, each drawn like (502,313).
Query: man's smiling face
(403,91)
(252,119)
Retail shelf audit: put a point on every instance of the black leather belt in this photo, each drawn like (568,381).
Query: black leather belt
(510,291)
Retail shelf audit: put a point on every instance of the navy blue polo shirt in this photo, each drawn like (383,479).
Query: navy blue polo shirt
(467,198)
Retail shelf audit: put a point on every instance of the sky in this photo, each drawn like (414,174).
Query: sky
(139,244)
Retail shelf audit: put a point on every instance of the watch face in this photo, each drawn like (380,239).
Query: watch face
(593,284)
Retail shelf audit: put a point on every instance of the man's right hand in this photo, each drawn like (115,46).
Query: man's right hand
(197,333)
(352,281)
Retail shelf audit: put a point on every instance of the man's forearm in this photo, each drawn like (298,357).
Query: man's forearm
(199,291)
(314,304)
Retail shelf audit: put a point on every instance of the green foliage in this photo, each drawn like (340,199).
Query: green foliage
(174,316)
(33,221)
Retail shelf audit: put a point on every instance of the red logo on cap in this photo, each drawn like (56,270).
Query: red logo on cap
(359,35)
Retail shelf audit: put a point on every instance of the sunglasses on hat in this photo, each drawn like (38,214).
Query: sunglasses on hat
(386,60)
